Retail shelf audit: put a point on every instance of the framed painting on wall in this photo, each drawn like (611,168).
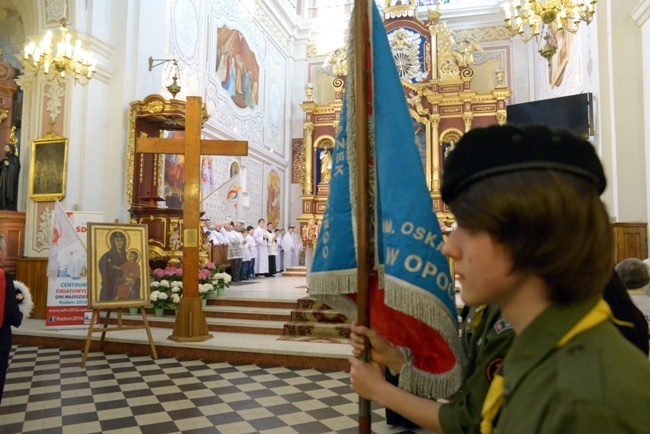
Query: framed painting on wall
(273,180)
(47,168)
(118,265)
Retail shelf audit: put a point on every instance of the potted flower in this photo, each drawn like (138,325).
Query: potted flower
(159,299)
(169,281)
(221,281)
(205,290)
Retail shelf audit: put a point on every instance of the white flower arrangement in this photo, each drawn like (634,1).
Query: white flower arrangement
(158,299)
(206,289)
(24,298)
(221,276)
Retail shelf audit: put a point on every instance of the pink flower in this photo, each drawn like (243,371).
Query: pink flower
(210,266)
(159,272)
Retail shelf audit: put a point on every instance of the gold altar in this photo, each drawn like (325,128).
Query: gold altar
(436,75)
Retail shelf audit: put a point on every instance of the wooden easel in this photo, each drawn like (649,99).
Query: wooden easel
(119,327)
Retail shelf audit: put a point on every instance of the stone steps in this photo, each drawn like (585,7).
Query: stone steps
(298,271)
(306,317)
(230,315)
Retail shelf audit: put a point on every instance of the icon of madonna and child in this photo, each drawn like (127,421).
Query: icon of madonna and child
(120,269)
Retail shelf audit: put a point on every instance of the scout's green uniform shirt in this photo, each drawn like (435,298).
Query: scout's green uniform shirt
(597,383)
(486,339)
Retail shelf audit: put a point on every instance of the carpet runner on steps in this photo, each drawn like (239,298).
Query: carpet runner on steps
(316,320)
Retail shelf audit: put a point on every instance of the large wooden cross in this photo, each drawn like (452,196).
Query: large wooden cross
(191,325)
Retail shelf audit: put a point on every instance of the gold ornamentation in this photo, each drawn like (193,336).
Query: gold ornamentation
(48,168)
(537,17)
(336,62)
(66,59)
(502,117)
(309,129)
(465,53)
(468,117)
(500,75)
(447,66)
(415,100)
(155,106)
(130,155)
(399,8)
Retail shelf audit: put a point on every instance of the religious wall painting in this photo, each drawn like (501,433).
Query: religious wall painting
(273,195)
(208,183)
(234,169)
(118,272)
(173,176)
(237,68)
(557,65)
(47,168)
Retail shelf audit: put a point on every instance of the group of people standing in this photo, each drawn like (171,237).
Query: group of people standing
(254,252)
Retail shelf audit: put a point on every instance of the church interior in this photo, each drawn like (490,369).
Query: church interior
(167,116)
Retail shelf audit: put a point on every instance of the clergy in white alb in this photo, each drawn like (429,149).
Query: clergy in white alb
(261,236)
(288,248)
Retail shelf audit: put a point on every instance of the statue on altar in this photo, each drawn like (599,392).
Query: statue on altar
(9,171)
(325,166)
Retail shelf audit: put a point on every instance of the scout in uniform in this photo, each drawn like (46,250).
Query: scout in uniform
(534,239)
(486,337)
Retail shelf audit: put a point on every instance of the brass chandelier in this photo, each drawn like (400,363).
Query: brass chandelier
(68,59)
(536,18)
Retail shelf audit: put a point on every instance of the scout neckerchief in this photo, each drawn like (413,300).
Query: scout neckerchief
(478,317)
(494,398)
(3,285)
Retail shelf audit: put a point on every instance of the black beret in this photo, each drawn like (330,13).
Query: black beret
(494,150)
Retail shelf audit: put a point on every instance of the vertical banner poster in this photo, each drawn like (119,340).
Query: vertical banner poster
(67,283)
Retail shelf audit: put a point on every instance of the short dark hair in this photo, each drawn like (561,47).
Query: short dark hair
(634,273)
(248,228)
(553,224)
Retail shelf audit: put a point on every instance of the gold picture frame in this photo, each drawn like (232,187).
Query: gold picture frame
(48,168)
(118,265)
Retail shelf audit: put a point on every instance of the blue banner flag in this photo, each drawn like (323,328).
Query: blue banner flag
(412,292)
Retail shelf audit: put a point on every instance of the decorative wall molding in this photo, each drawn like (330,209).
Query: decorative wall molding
(56,10)
(483,34)
(271,27)
(641,14)
(54,95)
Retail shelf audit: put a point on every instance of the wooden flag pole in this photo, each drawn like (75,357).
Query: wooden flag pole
(363,108)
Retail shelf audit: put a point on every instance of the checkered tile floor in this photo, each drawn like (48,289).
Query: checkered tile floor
(48,392)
